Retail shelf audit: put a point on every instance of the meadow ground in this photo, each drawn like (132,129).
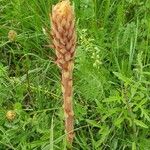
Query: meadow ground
(111,77)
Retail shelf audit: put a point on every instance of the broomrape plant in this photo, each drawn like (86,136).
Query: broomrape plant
(64,42)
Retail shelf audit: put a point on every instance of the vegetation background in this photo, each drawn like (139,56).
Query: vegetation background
(111,77)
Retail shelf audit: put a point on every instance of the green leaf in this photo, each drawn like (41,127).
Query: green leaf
(140,123)
(52,136)
(118,121)
(146,73)
(110,113)
(122,78)
(18,106)
(133,146)
(112,99)
(93,123)
(145,113)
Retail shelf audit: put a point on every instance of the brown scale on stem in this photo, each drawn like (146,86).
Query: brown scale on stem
(64,41)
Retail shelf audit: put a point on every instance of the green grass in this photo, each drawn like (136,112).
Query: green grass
(111,77)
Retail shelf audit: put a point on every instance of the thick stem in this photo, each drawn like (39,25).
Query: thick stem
(67,89)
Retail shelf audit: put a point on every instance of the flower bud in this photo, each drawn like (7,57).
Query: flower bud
(10,115)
